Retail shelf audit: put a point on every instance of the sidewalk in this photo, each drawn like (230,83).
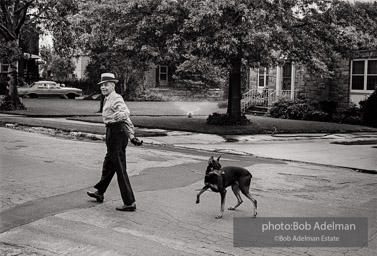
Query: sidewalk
(356,150)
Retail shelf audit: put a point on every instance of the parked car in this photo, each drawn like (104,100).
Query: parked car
(48,89)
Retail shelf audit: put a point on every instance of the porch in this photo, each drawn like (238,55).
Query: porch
(264,98)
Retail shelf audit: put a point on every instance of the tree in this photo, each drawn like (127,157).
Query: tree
(230,34)
(98,30)
(46,54)
(55,67)
(61,68)
(12,20)
(19,15)
(200,72)
(267,33)
(238,33)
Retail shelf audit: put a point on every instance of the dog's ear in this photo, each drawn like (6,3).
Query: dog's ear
(218,159)
(210,161)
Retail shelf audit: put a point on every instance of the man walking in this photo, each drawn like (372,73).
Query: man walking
(119,129)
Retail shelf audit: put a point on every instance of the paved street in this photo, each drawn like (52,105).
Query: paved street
(45,210)
(357,151)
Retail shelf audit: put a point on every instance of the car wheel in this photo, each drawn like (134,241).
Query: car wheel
(71,96)
(33,96)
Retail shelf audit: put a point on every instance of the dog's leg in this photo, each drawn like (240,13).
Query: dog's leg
(248,195)
(244,187)
(236,191)
(223,194)
(201,192)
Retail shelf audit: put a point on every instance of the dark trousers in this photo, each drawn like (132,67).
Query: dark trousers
(115,162)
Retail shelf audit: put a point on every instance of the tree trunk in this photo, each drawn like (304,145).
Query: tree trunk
(13,84)
(234,97)
(13,81)
(12,100)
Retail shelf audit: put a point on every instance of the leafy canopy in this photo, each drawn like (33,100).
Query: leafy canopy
(261,32)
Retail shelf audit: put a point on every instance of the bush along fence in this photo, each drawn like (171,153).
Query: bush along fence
(327,111)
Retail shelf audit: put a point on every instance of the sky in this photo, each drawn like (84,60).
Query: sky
(45,40)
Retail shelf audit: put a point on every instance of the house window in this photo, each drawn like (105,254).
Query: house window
(163,75)
(263,77)
(372,75)
(287,77)
(364,75)
(4,67)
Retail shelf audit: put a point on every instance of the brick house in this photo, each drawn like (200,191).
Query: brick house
(354,80)
(158,76)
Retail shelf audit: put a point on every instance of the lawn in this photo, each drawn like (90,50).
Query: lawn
(64,107)
(258,125)
(173,116)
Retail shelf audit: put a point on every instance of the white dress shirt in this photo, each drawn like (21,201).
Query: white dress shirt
(114,103)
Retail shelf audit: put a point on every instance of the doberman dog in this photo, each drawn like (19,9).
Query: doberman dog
(218,179)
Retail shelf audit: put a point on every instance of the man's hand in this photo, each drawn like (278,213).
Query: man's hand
(136,142)
(118,116)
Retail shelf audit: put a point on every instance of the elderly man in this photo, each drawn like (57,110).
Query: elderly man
(119,129)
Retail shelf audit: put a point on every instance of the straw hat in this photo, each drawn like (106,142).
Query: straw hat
(108,77)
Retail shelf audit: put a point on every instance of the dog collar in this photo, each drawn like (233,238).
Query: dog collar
(217,172)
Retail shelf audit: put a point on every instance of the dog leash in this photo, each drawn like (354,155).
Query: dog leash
(167,160)
(163,157)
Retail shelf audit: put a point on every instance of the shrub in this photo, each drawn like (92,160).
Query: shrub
(149,96)
(370,110)
(6,103)
(352,119)
(328,107)
(225,119)
(362,105)
(279,109)
(319,116)
(290,109)
(325,111)
(350,115)
(222,104)
(300,109)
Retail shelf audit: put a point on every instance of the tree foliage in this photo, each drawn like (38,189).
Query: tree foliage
(55,67)
(18,16)
(125,36)
(234,33)
(99,30)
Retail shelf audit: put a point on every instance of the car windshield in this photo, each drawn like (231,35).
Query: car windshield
(42,84)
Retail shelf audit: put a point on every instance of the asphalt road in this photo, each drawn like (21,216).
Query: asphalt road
(44,209)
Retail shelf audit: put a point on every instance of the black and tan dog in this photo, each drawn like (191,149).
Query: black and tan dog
(218,179)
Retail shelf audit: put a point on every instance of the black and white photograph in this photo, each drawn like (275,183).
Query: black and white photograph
(188,127)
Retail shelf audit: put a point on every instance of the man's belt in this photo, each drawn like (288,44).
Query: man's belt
(112,124)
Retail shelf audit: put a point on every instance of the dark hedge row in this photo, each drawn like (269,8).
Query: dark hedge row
(327,111)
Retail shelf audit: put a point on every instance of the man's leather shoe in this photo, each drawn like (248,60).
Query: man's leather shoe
(127,208)
(96,196)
